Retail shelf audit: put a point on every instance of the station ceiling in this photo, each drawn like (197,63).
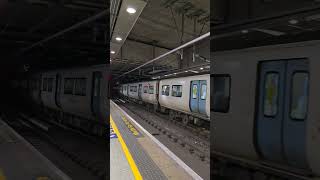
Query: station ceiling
(160,27)
(25,23)
(290,26)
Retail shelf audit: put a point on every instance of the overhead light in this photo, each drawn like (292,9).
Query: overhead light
(175,73)
(293,21)
(201,68)
(131,10)
(112,52)
(166,75)
(118,38)
(186,71)
(194,71)
(245,31)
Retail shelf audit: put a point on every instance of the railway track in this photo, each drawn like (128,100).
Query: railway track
(197,144)
(74,153)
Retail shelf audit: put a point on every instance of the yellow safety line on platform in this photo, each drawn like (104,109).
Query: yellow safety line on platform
(126,151)
(2,177)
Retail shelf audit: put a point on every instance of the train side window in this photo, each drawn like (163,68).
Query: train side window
(145,89)
(221,93)
(80,86)
(203,92)
(135,88)
(68,85)
(50,84)
(165,90)
(151,89)
(299,95)
(44,84)
(271,87)
(176,91)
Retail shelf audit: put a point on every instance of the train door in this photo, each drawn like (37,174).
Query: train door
(202,96)
(295,112)
(58,90)
(194,96)
(140,91)
(95,96)
(282,111)
(198,96)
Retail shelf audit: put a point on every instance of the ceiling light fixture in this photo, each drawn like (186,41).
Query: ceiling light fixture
(118,38)
(293,21)
(194,71)
(131,10)
(245,31)
(201,68)
(112,52)
(186,71)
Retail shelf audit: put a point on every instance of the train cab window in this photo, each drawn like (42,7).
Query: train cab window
(44,84)
(299,95)
(50,84)
(80,87)
(68,85)
(145,89)
(221,93)
(203,92)
(151,89)
(271,87)
(165,90)
(176,91)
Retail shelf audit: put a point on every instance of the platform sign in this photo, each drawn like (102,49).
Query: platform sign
(112,133)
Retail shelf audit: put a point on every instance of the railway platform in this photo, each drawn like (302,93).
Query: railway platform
(20,160)
(137,154)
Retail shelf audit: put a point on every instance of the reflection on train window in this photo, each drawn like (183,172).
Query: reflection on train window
(271,87)
(194,91)
(80,87)
(44,84)
(221,93)
(299,95)
(145,89)
(68,85)
(203,92)
(50,84)
(151,89)
(176,91)
(165,90)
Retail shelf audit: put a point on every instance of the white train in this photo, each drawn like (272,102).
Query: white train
(76,96)
(265,109)
(185,97)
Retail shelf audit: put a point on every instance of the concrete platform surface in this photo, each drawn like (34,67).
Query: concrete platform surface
(136,154)
(20,160)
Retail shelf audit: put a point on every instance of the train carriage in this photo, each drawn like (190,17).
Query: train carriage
(187,95)
(80,94)
(133,91)
(265,106)
(149,92)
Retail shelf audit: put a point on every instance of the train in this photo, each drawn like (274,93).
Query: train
(264,111)
(185,98)
(78,97)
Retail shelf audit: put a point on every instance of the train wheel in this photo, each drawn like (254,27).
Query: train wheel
(185,119)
